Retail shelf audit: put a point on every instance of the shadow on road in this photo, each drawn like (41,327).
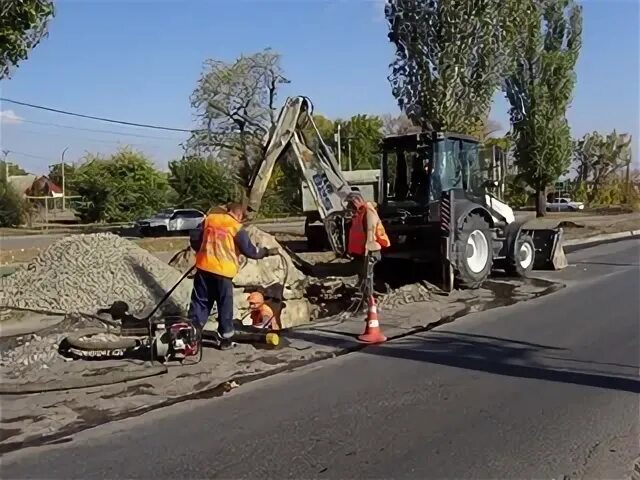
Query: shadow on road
(499,357)
(494,355)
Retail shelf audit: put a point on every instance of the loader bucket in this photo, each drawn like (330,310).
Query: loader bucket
(549,252)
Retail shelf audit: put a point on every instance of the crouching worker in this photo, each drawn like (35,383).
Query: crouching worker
(218,242)
(262,315)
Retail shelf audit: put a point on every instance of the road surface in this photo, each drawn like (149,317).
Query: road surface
(542,389)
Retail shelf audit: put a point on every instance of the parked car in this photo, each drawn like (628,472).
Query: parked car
(170,222)
(564,205)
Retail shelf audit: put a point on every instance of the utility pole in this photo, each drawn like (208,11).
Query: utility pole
(339,147)
(6,166)
(62,166)
(349,152)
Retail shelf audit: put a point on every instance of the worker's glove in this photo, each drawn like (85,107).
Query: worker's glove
(270,252)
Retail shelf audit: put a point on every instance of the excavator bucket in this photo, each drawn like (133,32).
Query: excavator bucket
(548,243)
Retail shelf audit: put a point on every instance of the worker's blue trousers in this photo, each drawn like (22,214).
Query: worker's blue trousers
(208,289)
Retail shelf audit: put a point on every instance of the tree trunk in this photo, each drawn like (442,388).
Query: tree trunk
(541,203)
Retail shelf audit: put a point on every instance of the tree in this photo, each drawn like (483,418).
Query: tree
(600,158)
(540,88)
(361,136)
(23,23)
(235,108)
(451,56)
(119,188)
(13,207)
(398,125)
(201,183)
(14,169)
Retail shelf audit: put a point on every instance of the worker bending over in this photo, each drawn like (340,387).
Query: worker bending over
(367,237)
(262,315)
(218,241)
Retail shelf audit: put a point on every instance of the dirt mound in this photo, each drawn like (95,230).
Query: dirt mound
(85,273)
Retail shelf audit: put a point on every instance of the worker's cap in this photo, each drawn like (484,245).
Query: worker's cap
(256,298)
(356,199)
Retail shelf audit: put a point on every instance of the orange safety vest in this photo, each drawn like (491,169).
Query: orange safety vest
(218,253)
(358,233)
(257,317)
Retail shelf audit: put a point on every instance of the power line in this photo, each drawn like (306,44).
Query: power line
(101,119)
(97,130)
(30,155)
(89,139)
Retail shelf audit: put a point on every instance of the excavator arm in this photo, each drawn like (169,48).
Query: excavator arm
(317,165)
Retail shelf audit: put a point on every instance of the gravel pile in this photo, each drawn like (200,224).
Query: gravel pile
(85,273)
(30,355)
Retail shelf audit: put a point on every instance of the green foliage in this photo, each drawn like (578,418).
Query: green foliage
(23,23)
(283,195)
(13,207)
(235,107)
(600,158)
(451,56)
(516,194)
(540,89)
(200,183)
(55,175)
(365,132)
(503,143)
(14,169)
(120,188)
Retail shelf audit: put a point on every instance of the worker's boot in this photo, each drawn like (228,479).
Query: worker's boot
(225,344)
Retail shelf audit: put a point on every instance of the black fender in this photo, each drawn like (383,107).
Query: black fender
(464,208)
(511,234)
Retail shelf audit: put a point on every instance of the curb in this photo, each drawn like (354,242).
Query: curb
(602,238)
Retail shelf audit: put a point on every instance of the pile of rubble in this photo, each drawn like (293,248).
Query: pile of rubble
(28,357)
(276,276)
(85,273)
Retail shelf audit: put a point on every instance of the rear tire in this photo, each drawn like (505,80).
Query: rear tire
(521,261)
(475,252)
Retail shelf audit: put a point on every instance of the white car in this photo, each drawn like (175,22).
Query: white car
(564,205)
(170,222)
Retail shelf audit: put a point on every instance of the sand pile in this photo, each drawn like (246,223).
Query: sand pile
(84,273)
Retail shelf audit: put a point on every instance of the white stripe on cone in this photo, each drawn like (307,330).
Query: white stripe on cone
(373,324)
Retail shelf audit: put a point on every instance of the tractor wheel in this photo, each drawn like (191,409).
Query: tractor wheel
(520,263)
(475,252)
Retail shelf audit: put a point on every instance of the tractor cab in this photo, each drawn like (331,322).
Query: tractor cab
(416,169)
(417,172)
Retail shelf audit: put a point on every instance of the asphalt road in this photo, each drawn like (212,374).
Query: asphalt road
(541,389)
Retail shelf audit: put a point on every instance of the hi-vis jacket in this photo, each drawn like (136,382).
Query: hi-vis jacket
(218,242)
(357,243)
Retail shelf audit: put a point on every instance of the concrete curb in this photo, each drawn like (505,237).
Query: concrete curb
(606,237)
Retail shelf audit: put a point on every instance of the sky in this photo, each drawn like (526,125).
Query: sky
(139,61)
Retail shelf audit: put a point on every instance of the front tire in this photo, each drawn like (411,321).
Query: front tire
(521,260)
(475,252)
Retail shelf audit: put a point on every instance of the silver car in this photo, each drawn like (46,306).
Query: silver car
(564,204)
(170,222)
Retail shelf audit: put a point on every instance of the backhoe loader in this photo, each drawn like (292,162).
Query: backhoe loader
(433,200)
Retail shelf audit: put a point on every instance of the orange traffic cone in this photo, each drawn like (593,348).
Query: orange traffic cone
(372,332)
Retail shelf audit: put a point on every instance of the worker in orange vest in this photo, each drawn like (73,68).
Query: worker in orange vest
(261,314)
(367,237)
(218,242)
